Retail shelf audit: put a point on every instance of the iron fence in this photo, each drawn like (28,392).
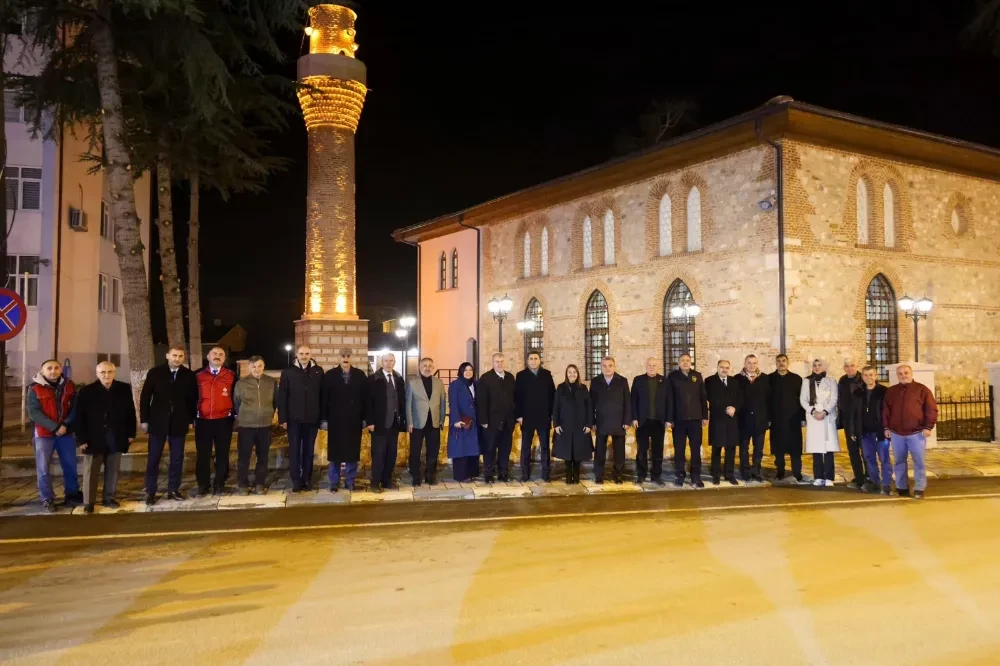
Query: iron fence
(966,417)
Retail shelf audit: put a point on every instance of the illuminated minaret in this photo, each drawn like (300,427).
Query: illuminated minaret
(332,96)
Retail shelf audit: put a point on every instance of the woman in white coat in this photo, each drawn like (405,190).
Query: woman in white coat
(819,398)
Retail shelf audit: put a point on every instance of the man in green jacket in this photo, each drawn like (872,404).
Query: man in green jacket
(254,401)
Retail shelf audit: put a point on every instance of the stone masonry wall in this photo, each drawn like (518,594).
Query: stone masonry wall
(328,337)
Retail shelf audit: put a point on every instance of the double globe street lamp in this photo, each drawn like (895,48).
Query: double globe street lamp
(916,310)
(526,328)
(500,308)
(403,333)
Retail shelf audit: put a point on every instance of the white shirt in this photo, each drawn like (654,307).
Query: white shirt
(388,376)
(500,374)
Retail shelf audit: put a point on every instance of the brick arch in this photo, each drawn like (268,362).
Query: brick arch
(533,226)
(963,205)
(652,217)
(903,208)
(658,297)
(589,288)
(600,206)
(688,180)
(877,175)
(904,344)
(576,234)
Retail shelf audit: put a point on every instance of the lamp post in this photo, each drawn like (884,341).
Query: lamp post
(288,355)
(500,308)
(403,334)
(915,310)
(526,328)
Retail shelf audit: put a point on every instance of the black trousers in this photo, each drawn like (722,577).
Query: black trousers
(724,467)
(496,458)
(823,466)
(649,436)
(209,432)
(687,431)
(746,471)
(857,460)
(432,437)
(385,446)
(786,440)
(527,435)
(248,442)
(601,455)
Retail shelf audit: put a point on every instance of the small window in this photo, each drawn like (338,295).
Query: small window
(102,292)
(666,227)
(889,211)
(105,221)
(609,238)
(527,255)
(26,286)
(545,252)
(862,208)
(12,113)
(24,188)
(694,220)
(588,243)
(454,269)
(116,295)
(443,272)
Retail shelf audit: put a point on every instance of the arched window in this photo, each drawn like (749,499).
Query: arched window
(443,272)
(678,327)
(595,333)
(545,252)
(666,227)
(609,238)
(454,269)
(588,243)
(881,335)
(889,213)
(694,220)
(534,340)
(527,254)
(862,206)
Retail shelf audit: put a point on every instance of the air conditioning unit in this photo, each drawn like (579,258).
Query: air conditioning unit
(77,219)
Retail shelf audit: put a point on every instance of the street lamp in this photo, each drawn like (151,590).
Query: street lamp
(288,354)
(916,310)
(500,308)
(691,309)
(526,328)
(403,334)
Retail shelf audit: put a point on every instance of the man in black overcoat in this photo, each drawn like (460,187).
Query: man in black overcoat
(612,415)
(495,413)
(343,400)
(385,416)
(534,398)
(725,398)
(787,418)
(754,417)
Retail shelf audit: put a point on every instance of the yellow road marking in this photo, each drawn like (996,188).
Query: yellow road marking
(484,519)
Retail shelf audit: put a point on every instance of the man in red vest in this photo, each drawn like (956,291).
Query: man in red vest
(52,408)
(214,422)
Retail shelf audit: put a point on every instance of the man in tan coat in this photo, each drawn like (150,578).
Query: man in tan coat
(425,410)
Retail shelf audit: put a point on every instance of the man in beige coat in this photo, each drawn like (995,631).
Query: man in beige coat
(425,410)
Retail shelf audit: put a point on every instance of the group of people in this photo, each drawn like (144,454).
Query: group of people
(573,422)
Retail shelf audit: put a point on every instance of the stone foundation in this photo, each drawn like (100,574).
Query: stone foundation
(328,336)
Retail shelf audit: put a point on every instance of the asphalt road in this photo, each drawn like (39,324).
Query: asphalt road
(773,576)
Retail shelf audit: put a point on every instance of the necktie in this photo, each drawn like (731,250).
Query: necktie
(724,382)
(173,376)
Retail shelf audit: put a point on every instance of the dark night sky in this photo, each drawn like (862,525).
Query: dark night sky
(470,103)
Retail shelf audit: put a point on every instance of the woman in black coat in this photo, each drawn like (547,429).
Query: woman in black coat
(573,418)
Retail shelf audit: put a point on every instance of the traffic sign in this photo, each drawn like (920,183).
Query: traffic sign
(13,314)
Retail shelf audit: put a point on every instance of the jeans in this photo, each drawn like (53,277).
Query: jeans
(65,447)
(249,441)
(301,449)
(156,444)
(876,450)
(351,471)
(916,446)
(649,437)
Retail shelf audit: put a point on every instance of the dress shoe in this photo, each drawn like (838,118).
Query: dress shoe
(150,500)
(903,492)
(918,494)
(349,487)
(659,481)
(376,489)
(488,479)
(259,490)
(296,489)
(547,478)
(732,481)
(244,490)
(504,478)
(639,480)
(525,479)
(431,482)
(175,495)
(89,508)
(758,478)
(886,490)
(110,503)
(715,480)
(334,489)
(204,491)
(599,482)
(49,506)
(698,483)
(780,474)
(678,483)
(416,484)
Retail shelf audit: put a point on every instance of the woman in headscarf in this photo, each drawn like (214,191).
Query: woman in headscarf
(463,433)
(818,397)
(573,419)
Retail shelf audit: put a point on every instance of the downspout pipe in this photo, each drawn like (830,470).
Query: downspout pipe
(479,280)
(59,233)
(780,168)
(419,315)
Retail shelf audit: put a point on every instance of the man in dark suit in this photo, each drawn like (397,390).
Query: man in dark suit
(167,405)
(787,418)
(534,398)
(298,399)
(386,416)
(105,428)
(343,401)
(495,413)
(688,416)
(725,398)
(612,415)
(754,417)
(650,409)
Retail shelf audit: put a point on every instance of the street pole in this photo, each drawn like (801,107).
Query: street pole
(500,329)
(916,341)
(24,363)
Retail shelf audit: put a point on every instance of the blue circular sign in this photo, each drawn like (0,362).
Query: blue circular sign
(13,314)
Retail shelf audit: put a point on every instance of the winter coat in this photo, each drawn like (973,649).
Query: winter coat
(343,410)
(168,405)
(909,408)
(96,403)
(573,412)
(495,400)
(254,401)
(299,393)
(462,442)
(755,415)
(419,404)
(821,436)
(786,413)
(688,399)
(723,429)
(215,393)
(534,398)
(866,409)
(378,409)
(640,399)
(612,404)
(846,386)
(51,406)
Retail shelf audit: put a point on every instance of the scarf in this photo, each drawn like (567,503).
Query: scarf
(752,378)
(814,381)
(461,374)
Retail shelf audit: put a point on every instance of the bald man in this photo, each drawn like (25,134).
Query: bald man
(650,412)
(105,429)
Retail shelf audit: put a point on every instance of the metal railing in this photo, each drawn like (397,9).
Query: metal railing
(966,417)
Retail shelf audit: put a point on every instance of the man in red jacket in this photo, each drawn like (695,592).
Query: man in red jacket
(909,413)
(214,422)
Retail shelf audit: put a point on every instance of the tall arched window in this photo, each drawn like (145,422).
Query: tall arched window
(534,340)
(454,269)
(597,344)
(694,220)
(527,254)
(588,243)
(678,328)
(609,238)
(881,334)
(862,207)
(443,272)
(666,227)
(889,213)
(545,251)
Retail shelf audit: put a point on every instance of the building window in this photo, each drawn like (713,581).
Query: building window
(454,269)
(105,221)
(588,243)
(116,296)
(609,238)
(666,227)
(678,331)
(116,359)
(443,272)
(102,292)
(534,340)
(889,213)
(862,205)
(958,224)
(25,286)
(527,254)
(694,220)
(597,344)
(12,113)
(24,188)
(545,252)
(881,334)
